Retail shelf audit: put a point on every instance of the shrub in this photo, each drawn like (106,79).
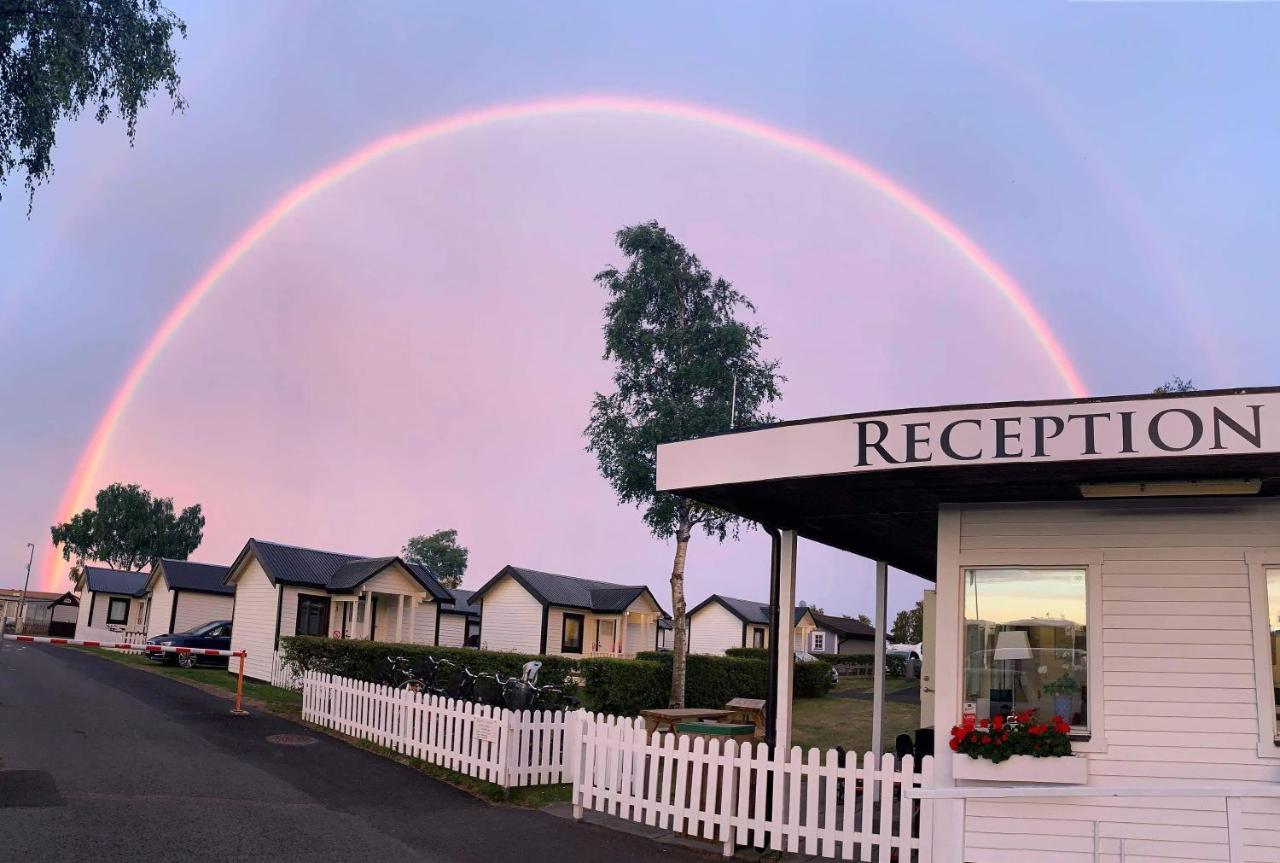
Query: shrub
(894,666)
(713,680)
(748,652)
(624,687)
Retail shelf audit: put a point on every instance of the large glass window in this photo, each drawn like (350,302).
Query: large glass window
(313,615)
(1026,643)
(1273,634)
(571,635)
(118,612)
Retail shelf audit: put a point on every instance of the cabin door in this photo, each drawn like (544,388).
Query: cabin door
(606,630)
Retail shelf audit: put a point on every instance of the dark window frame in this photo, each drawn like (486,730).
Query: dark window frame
(757,637)
(123,620)
(309,600)
(565,646)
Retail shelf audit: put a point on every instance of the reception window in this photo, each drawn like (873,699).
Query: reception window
(1273,638)
(1025,643)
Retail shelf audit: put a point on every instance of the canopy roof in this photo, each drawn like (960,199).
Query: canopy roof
(873,483)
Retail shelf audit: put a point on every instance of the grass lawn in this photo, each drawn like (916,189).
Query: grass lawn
(828,722)
(282,701)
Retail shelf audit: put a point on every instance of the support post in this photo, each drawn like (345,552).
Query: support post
(238,710)
(413,618)
(783,636)
(877,692)
(622,636)
(399,618)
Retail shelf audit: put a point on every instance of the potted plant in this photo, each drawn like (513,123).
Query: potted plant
(1017,749)
(1063,691)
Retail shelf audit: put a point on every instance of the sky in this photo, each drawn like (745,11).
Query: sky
(414,344)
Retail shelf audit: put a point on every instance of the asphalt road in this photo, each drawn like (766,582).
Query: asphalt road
(102,762)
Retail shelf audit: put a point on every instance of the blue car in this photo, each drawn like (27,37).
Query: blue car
(213,635)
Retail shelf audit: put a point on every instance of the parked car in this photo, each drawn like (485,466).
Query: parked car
(806,656)
(216,635)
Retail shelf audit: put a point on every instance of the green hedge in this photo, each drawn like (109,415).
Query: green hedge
(624,687)
(712,680)
(748,653)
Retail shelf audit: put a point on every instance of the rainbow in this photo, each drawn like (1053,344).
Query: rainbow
(79,488)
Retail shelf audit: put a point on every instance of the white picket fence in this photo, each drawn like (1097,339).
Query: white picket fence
(505,747)
(741,795)
(119,635)
(282,675)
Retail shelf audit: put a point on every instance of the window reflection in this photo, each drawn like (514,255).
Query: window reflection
(1025,643)
(1273,629)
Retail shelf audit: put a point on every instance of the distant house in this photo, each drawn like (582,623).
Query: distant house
(459,620)
(45,613)
(721,622)
(527,611)
(283,590)
(666,633)
(846,635)
(111,601)
(183,594)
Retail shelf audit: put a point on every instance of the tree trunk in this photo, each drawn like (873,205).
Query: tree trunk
(680,624)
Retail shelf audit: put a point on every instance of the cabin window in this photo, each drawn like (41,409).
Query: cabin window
(1273,638)
(571,634)
(1026,644)
(819,642)
(118,612)
(313,615)
(472,637)
(757,637)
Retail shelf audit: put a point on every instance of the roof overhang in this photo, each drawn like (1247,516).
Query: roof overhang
(873,483)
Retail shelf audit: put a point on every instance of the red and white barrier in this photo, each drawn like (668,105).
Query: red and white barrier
(148,648)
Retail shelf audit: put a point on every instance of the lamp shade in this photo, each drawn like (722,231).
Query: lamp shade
(1012,644)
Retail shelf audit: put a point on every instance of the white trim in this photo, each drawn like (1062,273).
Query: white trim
(1259,561)
(818,641)
(1091,561)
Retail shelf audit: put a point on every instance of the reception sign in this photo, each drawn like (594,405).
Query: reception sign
(1214,424)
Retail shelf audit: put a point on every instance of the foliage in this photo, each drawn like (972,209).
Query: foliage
(748,652)
(684,365)
(894,666)
(59,56)
(1175,384)
(130,529)
(908,626)
(440,553)
(1000,739)
(864,619)
(624,687)
(714,680)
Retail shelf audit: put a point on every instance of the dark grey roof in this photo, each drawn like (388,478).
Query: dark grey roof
(334,571)
(461,603)
(748,610)
(550,588)
(845,627)
(666,623)
(198,577)
(117,581)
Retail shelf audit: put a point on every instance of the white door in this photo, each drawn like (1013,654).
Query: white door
(926,667)
(605,630)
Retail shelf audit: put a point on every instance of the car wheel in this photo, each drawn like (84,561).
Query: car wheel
(187,660)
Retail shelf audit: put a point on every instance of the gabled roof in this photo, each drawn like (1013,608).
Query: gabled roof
(67,598)
(845,627)
(100,579)
(197,577)
(550,588)
(461,603)
(333,571)
(32,595)
(746,610)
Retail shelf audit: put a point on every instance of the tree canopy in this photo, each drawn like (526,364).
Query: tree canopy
(440,553)
(128,528)
(908,626)
(58,57)
(1175,384)
(677,341)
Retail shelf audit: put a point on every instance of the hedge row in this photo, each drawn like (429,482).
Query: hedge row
(620,686)
(894,666)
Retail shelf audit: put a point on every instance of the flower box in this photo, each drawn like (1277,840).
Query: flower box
(1063,770)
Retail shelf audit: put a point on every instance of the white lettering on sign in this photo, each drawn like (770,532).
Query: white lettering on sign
(486,729)
(1138,428)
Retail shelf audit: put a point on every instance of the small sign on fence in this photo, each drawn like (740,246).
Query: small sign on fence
(486,730)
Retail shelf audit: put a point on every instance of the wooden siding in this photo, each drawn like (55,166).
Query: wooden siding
(453,629)
(512,619)
(714,629)
(253,629)
(161,606)
(1179,698)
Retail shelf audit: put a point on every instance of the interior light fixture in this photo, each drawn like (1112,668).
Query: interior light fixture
(1181,488)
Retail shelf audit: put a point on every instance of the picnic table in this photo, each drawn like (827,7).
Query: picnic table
(667,718)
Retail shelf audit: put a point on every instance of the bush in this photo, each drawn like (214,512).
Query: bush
(710,681)
(624,687)
(894,666)
(748,652)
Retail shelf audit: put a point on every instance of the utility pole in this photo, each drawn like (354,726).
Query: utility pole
(22,603)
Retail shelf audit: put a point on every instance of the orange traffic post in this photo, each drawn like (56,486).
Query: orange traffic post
(238,710)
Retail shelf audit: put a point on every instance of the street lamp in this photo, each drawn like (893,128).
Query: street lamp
(22,603)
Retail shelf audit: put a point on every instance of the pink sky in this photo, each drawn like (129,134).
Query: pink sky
(417,347)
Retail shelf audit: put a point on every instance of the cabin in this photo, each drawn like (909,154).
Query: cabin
(113,602)
(39,612)
(459,620)
(846,636)
(1111,561)
(527,611)
(721,622)
(284,590)
(182,594)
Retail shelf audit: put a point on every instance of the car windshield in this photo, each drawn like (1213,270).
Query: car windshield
(204,628)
